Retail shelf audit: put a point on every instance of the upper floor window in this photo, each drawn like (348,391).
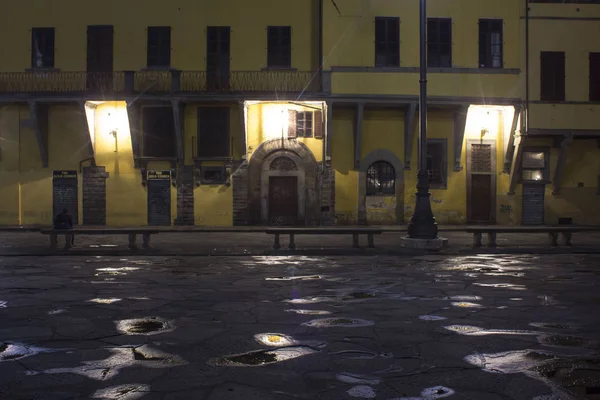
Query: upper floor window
(594,76)
(437,161)
(490,43)
(159,47)
(279,46)
(213,132)
(42,48)
(552,75)
(381,179)
(387,42)
(439,42)
(158,127)
(305,124)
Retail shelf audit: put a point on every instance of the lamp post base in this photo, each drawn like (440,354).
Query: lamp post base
(422,224)
(424,244)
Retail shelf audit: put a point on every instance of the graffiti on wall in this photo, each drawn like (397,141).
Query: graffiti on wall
(505,208)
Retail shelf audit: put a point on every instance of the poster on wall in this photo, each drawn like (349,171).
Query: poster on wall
(65,193)
(159,197)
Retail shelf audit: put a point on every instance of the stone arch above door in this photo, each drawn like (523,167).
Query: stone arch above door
(286,157)
(391,158)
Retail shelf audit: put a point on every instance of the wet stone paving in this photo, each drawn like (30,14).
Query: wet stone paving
(428,327)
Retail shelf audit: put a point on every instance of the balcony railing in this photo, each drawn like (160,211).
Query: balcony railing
(156,82)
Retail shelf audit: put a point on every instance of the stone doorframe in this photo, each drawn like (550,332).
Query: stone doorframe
(374,156)
(282,163)
(301,164)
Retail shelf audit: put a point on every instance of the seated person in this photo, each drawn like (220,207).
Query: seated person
(63,221)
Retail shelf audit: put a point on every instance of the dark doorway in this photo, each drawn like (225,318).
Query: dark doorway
(100,58)
(65,194)
(481,183)
(159,198)
(217,57)
(283,200)
(533,203)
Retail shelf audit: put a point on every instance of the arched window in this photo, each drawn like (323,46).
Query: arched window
(381,179)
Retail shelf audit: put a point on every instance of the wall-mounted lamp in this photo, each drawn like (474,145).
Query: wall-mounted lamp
(113,133)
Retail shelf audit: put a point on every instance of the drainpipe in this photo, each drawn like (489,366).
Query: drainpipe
(526,113)
(320,46)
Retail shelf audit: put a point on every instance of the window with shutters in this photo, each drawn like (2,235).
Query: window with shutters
(387,41)
(552,75)
(159,47)
(595,77)
(534,167)
(437,162)
(213,132)
(490,43)
(305,124)
(279,47)
(158,130)
(381,179)
(439,42)
(42,48)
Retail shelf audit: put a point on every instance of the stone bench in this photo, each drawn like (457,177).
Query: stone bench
(131,233)
(553,232)
(355,232)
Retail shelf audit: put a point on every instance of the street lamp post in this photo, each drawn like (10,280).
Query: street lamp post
(422,224)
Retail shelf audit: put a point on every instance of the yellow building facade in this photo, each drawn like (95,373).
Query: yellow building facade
(297,113)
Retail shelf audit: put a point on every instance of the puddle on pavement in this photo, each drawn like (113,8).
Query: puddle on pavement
(274,339)
(122,392)
(547,300)
(115,271)
(362,392)
(338,322)
(3,303)
(465,298)
(466,304)
(502,286)
(311,300)
(55,312)
(143,326)
(355,354)
(356,379)
(104,301)
(437,392)
(309,312)
(510,362)
(263,357)
(15,351)
(477,331)
(551,325)
(562,340)
(294,278)
(431,318)
(359,296)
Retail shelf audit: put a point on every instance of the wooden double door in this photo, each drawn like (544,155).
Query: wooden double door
(481,181)
(283,200)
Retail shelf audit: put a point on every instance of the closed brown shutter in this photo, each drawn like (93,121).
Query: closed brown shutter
(318,124)
(291,124)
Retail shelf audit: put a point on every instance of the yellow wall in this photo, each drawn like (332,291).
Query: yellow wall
(342,161)
(188,18)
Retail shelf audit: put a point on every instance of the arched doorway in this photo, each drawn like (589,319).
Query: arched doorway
(283,190)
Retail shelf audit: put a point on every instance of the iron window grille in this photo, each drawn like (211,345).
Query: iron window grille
(381,179)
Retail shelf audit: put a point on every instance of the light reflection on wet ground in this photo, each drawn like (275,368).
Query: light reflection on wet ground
(327,328)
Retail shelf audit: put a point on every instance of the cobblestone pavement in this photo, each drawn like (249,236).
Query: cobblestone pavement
(258,243)
(460,327)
